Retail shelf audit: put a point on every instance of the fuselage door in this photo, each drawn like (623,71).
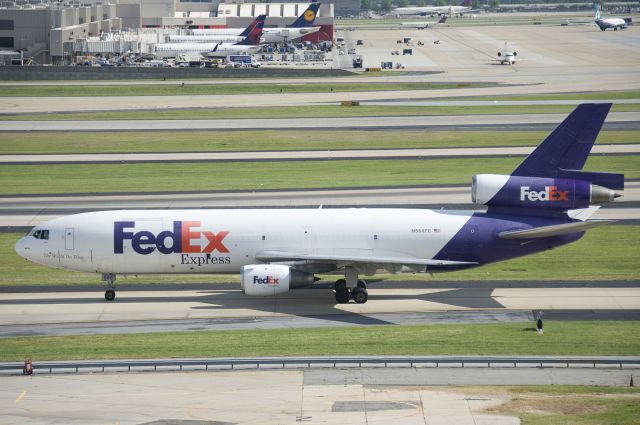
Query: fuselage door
(68,238)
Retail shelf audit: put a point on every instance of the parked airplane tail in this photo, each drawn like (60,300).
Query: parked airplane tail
(307,17)
(550,179)
(253,32)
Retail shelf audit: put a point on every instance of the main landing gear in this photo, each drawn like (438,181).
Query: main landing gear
(110,279)
(351,287)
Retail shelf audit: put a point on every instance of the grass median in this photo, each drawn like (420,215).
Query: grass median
(240,88)
(605,253)
(211,176)
(316,111)
(560,338)
(272,140)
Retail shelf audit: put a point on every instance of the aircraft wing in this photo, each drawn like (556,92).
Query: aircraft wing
(555,230)
(278,256)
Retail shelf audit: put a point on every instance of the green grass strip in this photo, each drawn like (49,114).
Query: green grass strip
(180,177)
(568,405)
(560,338)
(604,95)
(604,253)
(180,89)
(318,111)
(272,140)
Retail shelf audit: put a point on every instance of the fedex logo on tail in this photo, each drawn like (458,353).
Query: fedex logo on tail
(550,193)
(184,238)
(267,280)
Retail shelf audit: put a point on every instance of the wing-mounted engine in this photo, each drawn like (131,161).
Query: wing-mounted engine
(496,190)
(264,280)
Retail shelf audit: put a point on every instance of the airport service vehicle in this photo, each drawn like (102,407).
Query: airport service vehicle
(421,25)
(302,26)
(544,203)
(249,45)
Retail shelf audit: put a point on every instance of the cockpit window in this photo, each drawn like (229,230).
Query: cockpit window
(39,234)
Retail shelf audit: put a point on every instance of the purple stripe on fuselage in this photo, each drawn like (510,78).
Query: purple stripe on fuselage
(478,241)
(542,192)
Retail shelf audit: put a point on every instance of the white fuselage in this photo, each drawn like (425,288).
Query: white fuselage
(269,35)
(219,50)
(222,241)
(426,10)
(205,38)
(508,58)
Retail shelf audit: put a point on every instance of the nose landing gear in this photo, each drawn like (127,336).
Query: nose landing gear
(110,279)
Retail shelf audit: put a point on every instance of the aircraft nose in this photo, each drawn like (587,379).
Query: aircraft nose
(22,248)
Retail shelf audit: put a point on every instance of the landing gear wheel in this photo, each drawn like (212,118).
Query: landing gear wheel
(340,284)
(362,284)
(342,296)
(360,295)
(110,295)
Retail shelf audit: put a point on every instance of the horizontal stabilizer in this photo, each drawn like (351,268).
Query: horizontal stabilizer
(583,214)
(555,230)
(276,256)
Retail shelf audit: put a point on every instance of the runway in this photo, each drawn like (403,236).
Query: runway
(615,120)
(82,311)
(254,156)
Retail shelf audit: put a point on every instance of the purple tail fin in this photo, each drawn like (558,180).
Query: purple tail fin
(564,152)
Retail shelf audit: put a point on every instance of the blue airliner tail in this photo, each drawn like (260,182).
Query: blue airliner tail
(305,20)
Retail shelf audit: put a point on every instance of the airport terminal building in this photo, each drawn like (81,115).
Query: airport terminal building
(52,32)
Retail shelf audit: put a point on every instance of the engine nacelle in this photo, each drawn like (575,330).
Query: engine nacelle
(264,280)
(537,192)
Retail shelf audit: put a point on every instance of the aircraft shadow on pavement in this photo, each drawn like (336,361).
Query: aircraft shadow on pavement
(314,303)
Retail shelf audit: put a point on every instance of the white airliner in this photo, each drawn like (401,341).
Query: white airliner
(433,10)
(424,24)
(507,57)
(606,23)
(249,45)
(545,202)
(302,26)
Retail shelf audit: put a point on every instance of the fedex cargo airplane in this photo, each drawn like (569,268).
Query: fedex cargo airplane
(544,203)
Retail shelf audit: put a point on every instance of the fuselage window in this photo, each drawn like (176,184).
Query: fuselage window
(44,235)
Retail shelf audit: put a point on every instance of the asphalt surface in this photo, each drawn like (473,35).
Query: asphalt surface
(329,155)
(345,396)
(627,120)
(55,311)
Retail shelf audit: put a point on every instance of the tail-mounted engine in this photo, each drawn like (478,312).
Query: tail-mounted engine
(496,190)
(272,279)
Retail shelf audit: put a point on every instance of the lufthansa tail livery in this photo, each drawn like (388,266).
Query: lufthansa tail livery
(544,203)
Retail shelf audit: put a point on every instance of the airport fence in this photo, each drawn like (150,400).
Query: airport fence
(163,365)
